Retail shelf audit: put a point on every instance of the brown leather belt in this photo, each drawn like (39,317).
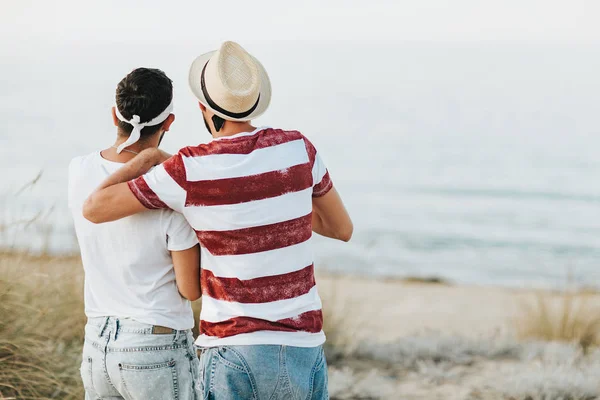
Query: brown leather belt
(162,330)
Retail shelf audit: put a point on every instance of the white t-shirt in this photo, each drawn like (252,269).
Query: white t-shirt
(127,263)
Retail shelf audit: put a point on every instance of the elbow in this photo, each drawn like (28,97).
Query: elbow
(195,296)
(345,234)
(89,211)
(191,295)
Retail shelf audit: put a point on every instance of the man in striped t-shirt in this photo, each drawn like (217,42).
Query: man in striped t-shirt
(254,196)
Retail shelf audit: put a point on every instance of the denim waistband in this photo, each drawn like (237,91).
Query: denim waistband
(121,325)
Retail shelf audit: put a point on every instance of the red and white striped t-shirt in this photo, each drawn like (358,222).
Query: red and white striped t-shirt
(249,199)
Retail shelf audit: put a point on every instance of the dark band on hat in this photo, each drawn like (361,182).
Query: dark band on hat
(216,107)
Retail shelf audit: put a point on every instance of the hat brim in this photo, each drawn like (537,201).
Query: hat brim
(195,78)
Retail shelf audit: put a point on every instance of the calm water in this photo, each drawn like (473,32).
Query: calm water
(478,163)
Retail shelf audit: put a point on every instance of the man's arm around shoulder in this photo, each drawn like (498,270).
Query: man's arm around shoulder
(113,199)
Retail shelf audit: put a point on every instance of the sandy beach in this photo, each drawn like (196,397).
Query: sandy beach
(397,308)
(440,341)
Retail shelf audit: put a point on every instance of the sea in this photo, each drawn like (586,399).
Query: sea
(477,163)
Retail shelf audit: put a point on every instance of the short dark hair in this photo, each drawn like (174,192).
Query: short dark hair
(145,92)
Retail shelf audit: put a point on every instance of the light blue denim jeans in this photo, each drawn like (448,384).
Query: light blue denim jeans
(265,372)
(122,359)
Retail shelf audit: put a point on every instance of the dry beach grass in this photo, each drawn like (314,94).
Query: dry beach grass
(384,339)
(567,317)
(41,327)
(496,343)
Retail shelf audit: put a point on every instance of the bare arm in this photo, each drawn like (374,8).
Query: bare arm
(186,264)
(330,218)
(113,200)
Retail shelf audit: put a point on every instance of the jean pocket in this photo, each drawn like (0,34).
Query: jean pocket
(150,382)
(232,377)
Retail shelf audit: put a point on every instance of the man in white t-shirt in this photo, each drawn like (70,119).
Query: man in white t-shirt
(141,271)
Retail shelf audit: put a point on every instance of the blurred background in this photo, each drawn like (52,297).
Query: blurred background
(462,135)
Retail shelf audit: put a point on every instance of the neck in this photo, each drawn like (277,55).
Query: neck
(233,128)
(111,153)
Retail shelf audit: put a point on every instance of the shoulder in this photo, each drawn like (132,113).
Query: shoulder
(191,151)
(274,137)
(283,134)
(286,135)
(292,138)
(310,148)
(80,178)
(79,163)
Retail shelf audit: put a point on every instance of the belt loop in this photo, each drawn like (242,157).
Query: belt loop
(104,325)
(117,329)
(176,337)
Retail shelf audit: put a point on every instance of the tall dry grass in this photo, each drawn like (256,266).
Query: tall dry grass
(42,324)
(18,220)
(41,327)
(342,320)
(566,317)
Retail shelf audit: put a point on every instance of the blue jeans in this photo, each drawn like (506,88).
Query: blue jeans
(266,372)
(123,359)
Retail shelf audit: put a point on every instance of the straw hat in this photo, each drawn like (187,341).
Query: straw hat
(231,83)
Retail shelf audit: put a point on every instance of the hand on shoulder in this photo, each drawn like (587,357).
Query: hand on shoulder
(153,156)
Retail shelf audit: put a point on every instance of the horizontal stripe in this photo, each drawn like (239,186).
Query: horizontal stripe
(224,166)
(322,188)
(230,217)
(144,194)
(176,169)
(318,170)
(311,151)
(259,290)
(214,310)
(256,239)
(249,188)
(161,182)
(256,265)
(311,321)
(297,339)
(245,144)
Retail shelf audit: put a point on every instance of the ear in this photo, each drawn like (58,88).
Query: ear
(202,106)
(167,124)
(114,116)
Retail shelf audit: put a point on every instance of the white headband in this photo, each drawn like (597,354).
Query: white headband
(138,126)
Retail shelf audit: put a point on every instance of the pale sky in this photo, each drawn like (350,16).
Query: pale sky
(432,20)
